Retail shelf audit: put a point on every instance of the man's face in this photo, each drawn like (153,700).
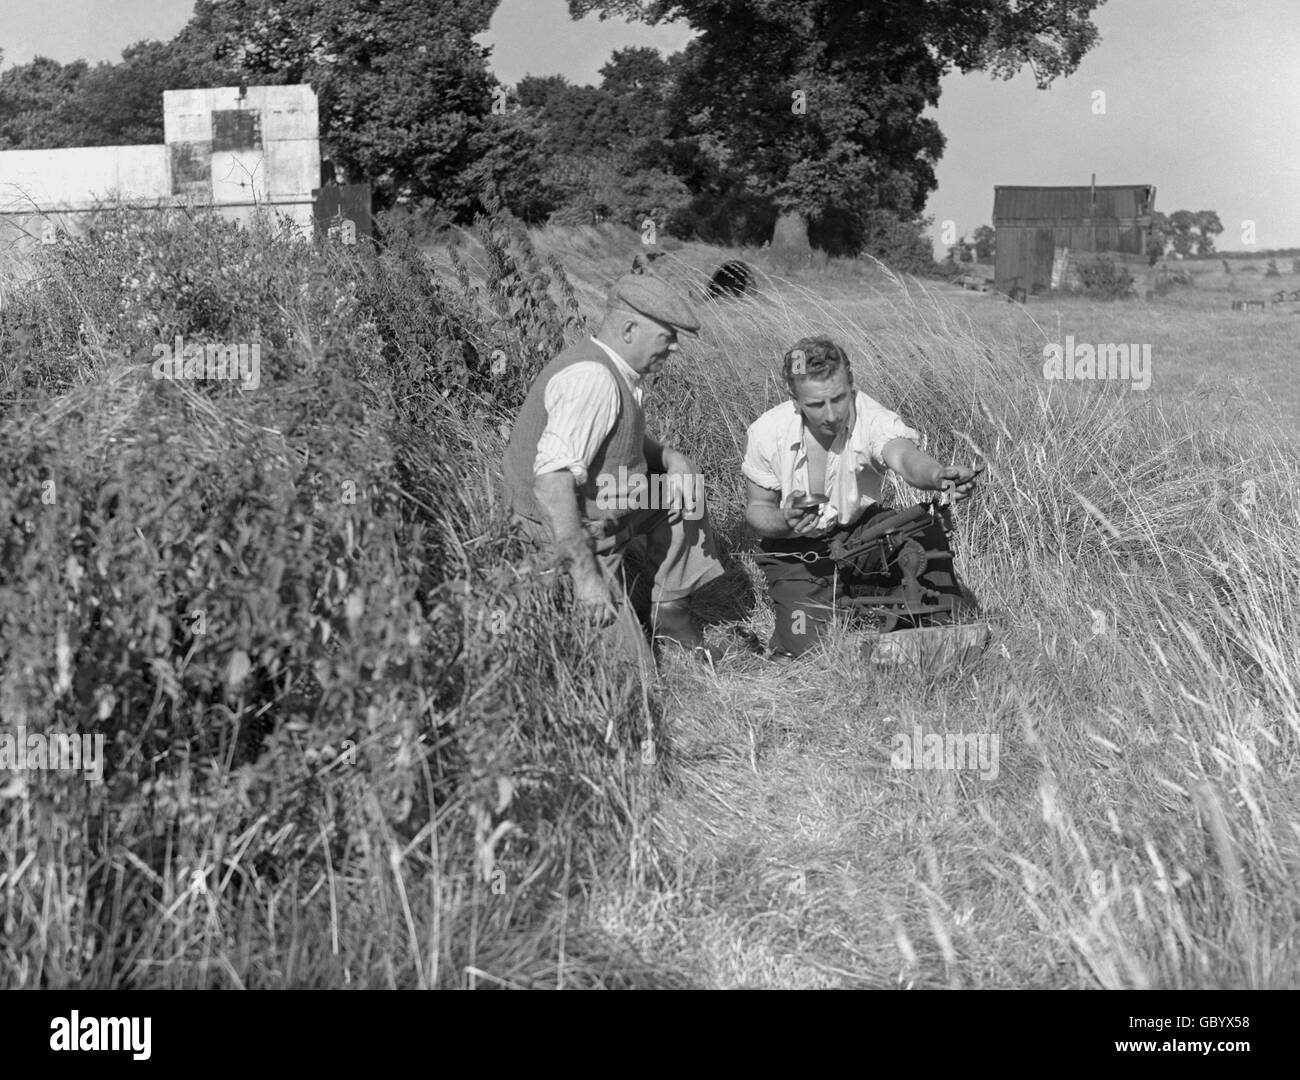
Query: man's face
(826,404)
(648,344)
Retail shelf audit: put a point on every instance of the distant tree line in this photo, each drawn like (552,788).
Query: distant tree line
(798,123)
(1262,253)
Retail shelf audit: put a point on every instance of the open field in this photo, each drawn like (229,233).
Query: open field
(807,861)
(499,825)
(1203,352)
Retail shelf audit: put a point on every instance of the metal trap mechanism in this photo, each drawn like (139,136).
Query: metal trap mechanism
(899,568)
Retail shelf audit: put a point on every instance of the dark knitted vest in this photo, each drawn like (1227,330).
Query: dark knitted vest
(620,457)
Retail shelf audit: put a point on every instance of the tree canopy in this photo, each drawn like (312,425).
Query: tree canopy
(792,121)
(46,104)
(818,106)
(1184,232)
(600,153)
(38,105)
(402,85)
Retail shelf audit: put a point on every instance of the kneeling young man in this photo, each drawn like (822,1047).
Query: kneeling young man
(830,439)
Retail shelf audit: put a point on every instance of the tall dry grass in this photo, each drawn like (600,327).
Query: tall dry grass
(1135,558)
(351,740)
(491,818)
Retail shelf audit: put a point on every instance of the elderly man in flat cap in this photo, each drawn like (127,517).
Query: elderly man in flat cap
(582,471)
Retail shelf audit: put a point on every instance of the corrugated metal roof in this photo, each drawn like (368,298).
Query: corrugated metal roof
(1125,204)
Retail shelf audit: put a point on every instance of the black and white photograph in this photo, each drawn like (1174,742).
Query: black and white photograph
(650,495)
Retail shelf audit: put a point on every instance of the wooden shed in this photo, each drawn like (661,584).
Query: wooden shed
(1039,229)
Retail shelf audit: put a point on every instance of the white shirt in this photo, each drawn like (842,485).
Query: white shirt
(775,457)
(581,410)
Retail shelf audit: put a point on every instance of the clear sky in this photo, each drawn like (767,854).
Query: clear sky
(1202,98)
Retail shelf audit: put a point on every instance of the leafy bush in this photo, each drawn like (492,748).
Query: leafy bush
(614,189)
(295,613)
(901,244)
(1104,279)
(481,344)
(124,286)
(510,165)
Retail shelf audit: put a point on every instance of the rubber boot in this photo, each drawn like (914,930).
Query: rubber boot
(673,622)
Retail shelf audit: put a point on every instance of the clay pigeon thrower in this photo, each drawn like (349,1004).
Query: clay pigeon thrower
(900,569)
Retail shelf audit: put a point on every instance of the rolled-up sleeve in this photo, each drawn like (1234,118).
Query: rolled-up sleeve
(881,426)
(581,410)
(760,463)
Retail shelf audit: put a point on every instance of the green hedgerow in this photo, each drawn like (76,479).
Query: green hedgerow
(288,610)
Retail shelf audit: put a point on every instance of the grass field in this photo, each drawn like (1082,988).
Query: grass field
(1203,353)
(804,860)
(499,825)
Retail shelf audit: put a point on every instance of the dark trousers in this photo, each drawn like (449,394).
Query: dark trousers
(803,598)
(804,584)
(680,551)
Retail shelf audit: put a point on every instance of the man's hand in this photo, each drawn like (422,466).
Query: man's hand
(675,462)
(685,484)
(595,598)
(802,522)
(956,479)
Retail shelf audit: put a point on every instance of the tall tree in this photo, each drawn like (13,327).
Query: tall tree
(39,105)
(1209,226)
(818,105)
(1181,223)
(510,164)
(403,87)
(45,104)
(1158,237)
(124,102)
(628,114)
(605,148)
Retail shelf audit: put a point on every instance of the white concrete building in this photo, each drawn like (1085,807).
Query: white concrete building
(243,150)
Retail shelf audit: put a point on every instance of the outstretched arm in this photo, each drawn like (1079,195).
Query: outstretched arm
(922,471)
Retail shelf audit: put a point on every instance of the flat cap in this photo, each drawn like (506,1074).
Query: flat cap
(652,296)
